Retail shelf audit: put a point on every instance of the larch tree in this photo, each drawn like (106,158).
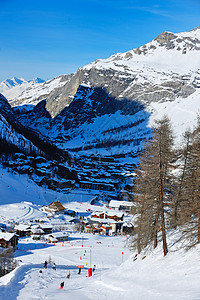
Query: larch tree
(190,199)
(153,188)
(180,180)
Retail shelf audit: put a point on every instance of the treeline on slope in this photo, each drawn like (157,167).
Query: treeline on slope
(167,189)
(43,146)
(7,149)
(50,151)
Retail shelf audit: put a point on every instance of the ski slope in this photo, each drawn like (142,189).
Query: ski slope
(117,275)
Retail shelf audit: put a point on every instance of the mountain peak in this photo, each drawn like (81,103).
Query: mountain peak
(165,37)
(36,80)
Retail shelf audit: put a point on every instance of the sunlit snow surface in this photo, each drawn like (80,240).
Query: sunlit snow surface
(117,274)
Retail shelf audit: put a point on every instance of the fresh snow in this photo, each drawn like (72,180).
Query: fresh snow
(159,59)
(29,91)
(182,112)
(118,275)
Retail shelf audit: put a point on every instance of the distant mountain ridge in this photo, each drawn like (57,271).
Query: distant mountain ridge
(13,82)
(20,91)
(159,77)
(97,118)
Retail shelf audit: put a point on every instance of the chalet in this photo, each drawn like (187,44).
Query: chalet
(46,227)
(100,215)
(106,228)
(54,208)
(112,227)
(8,239)
(23,230)
(92,228)
(57,236)
(36,232)
(117,216)
(121,205)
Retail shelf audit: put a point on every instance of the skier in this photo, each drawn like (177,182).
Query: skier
(79,270)
(68,275)
(54,266)
(61,285)
(45,264)
(94,268)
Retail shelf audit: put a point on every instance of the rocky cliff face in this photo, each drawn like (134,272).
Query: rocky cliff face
(164,69)
(119,91)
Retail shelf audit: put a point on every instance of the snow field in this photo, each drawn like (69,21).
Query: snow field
(150,277)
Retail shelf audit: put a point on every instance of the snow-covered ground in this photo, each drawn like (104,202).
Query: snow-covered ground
(118,274)
(18,89)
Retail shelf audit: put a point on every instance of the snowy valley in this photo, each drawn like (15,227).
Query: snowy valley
(73,143)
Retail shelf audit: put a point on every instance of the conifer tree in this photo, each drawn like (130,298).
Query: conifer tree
(179,199)
(153,186)
(190,199)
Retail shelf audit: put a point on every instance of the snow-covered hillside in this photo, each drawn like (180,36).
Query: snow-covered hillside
(108,106)
(167,53)
(14,87)
(119,274)
(21,92)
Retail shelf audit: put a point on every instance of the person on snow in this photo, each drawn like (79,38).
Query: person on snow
(61,285)
(94,268)
(79,270)
(68,275)
(54,266)
(45,264)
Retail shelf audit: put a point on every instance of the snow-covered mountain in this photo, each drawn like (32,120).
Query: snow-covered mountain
(20,91)
(107,107)
(164,69)
(11,131)
(7,85)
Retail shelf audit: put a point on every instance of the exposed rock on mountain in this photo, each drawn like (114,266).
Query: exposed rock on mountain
(164,69)
(109,101)
(102,113)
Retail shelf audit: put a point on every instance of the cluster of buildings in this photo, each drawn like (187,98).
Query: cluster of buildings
(107,220)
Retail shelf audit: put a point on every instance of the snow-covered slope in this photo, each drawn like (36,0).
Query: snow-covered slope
(118,275)
(13,87)
(109,105)
(11,129)
(168,52)
(21,92)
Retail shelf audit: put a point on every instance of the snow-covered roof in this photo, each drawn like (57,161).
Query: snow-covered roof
(45,225)
(37,231)
(7,236)
(105,221)
(22,227)
(117,203)
(108,213)
(59,234)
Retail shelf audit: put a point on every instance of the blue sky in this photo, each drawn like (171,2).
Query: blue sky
(47,38)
